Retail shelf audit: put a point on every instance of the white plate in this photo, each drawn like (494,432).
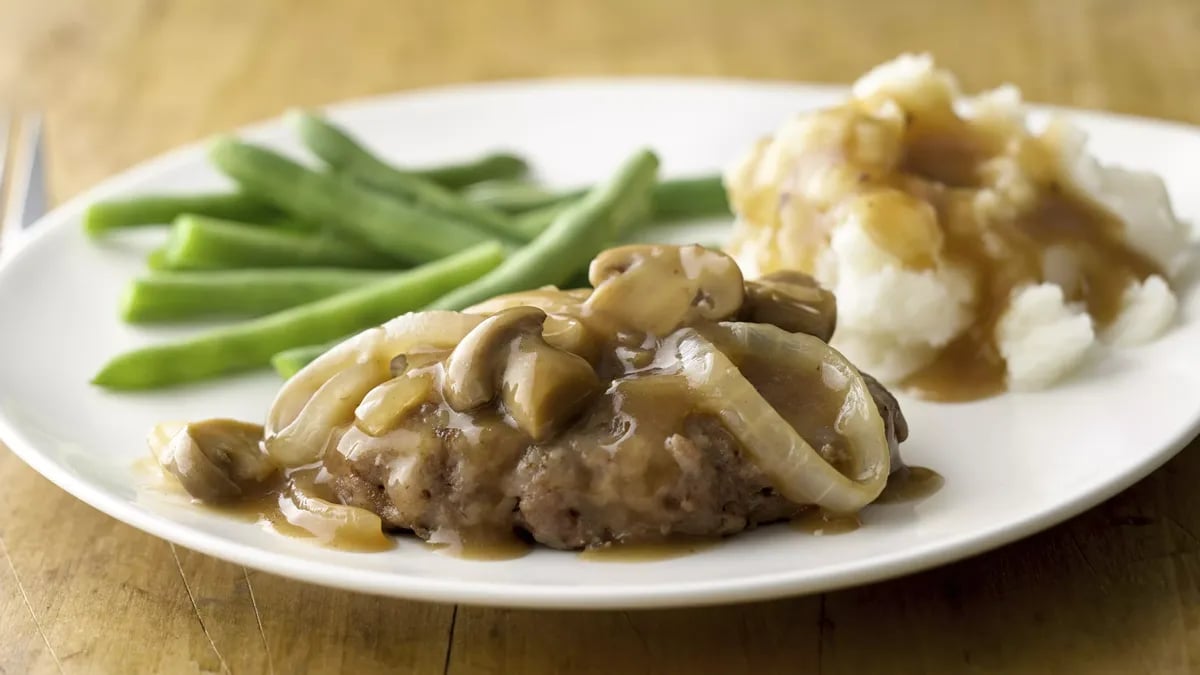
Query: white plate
(1013,464)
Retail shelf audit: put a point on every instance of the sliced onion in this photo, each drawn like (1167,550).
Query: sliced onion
(549,299)
(307,437)
(385,406)
(434,329)
(792,466)
(332,524)
(160,437)
(564,327)
(859,419)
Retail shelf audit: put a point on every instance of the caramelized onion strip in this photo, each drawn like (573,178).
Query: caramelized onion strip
(307,437)
(792,466)
(330,522)
(433,330)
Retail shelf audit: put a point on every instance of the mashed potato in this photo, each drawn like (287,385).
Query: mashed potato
(960,244)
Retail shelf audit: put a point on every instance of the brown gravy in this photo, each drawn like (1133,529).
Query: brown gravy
(1066,239)
(807,414)
(941,147)
(820,523)
(509,549)
(276,510)
(1062,237)
(1043,230)
(676,547)
(910,484)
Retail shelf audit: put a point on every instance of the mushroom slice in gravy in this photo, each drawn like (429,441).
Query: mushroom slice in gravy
(218,460)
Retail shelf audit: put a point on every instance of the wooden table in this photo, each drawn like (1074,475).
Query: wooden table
(1114,590)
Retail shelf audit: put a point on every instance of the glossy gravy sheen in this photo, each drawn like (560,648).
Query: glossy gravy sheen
(819,523)
(910,484)
(907,484)
(275,508)
(508,549)
(809,415)
(676,547)
(1063,237)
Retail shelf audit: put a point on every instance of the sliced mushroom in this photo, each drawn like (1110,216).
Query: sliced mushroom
(572,335)
(792,301)
(659,288)
(544,387)
(564,327)
(541,386)
(474,367)
(219,460)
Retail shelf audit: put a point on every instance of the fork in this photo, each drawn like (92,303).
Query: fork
(23,196)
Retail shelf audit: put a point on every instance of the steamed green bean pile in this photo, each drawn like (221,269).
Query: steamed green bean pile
(303,254)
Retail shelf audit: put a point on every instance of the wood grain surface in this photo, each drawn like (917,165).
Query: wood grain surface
(1114,590)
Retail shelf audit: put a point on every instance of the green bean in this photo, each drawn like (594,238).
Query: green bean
(290,361)
(556,257)
(575,237)
(157,259)
(673,199)
(175,296)
(532,223)
(341,152)
(578,280)
(164,209)
(390,226)
(198,243)
(513,196)
(251,344)
(495,166)
(696,197)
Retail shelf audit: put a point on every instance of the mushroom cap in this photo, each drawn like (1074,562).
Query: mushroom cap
(218,460)
(658,288)
(474,366)
(544,388)
(794,302)
(565,326)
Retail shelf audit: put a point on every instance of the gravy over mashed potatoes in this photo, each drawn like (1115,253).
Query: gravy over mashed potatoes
(968,254)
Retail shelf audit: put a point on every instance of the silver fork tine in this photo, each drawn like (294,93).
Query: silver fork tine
(27,199)
(5,128)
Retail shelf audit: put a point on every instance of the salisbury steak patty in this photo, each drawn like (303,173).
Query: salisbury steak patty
(563,494)
(698,485)
(603,482)
(673,399)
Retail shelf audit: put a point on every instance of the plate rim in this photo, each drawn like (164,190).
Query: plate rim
(506,594)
